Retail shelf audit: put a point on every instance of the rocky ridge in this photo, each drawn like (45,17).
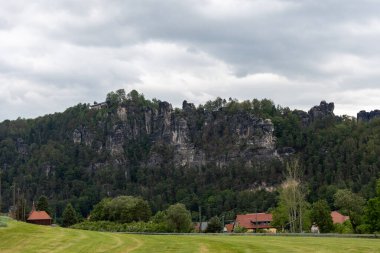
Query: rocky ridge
(364,116)
(188,132)
(195,137)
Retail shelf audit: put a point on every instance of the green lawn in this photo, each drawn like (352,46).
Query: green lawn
(22,237)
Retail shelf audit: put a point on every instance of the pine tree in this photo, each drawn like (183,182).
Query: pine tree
(214,225)
(43,204)
(69,216)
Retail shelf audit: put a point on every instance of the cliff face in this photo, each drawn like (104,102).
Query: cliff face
(192,137)
(364,116)
(195,137)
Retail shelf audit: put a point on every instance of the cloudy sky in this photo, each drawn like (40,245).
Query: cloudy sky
(55,54)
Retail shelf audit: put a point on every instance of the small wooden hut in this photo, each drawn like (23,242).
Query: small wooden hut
(39,217)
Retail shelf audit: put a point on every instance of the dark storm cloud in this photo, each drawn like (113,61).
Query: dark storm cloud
(294,52)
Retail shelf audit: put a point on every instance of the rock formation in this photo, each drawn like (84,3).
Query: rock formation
(194,136)
(322,111)
(364,116)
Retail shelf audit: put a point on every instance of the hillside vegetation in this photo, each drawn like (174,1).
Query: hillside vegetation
(226,157)
(26,238)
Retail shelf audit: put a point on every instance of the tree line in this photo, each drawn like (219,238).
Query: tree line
(296,215)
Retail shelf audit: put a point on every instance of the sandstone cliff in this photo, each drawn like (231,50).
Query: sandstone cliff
(195,137)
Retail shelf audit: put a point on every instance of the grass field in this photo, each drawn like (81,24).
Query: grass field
(25,238)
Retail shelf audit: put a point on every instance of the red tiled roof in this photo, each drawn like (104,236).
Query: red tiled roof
(250,221)
(39,215)
(338,217)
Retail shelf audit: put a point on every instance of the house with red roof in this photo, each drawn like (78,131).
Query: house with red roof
(338,218)
(255,221)
(39,217)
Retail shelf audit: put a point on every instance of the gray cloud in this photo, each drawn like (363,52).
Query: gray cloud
(54,54)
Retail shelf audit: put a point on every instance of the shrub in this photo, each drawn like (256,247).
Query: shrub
(3,222)
(239,229)
(214,225)
(344,228)
(363,229)
(109,226)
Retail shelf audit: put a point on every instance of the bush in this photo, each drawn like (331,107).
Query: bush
(363,229)
(109,226)
(239,229)
(344,228)
(159,217)
(3,222)
(214,225)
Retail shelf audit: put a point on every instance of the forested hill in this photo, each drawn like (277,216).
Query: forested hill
(225,156)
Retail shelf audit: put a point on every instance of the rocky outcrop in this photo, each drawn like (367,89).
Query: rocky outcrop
(364,116)
(115,141)
(304,117)
(82,135)
(193,136)
(77,136)
(122,113)
(319,112)
(322,111)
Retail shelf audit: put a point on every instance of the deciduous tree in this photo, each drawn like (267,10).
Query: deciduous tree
(179,218)
(321,215)
(372,211)
(350,204)
(292,196)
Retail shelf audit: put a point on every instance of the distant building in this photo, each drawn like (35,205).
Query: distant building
(201,227)
(338,218)
(314,229)
(98,106)
(39,217)
(255,221)
(229,228)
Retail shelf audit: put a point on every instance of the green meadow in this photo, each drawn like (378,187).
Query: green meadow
(25,238)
